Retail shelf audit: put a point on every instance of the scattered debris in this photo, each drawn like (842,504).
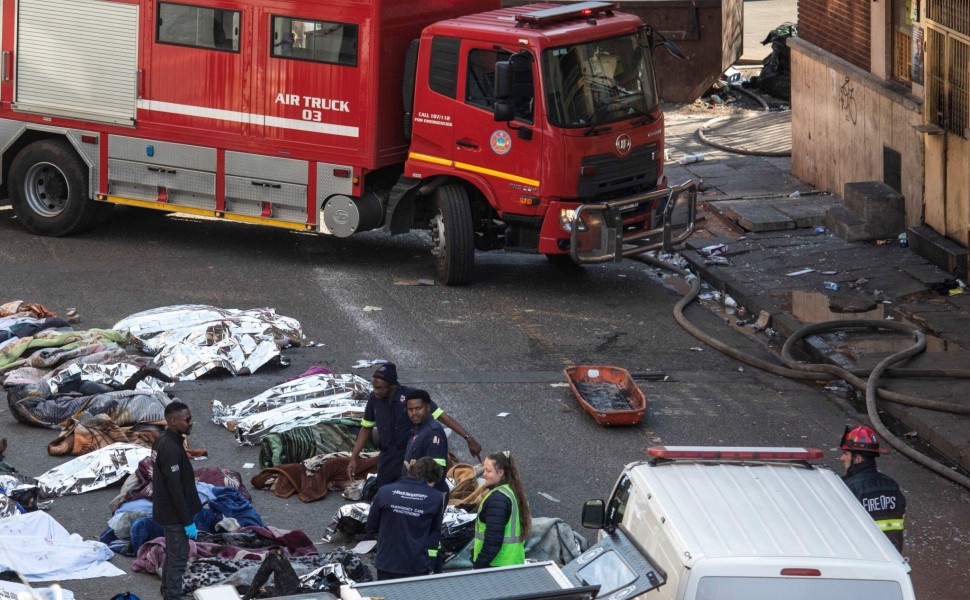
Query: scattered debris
(72,316)
(831,285)
(364,363)
(403,281)
(762,322)
(548,497)
(691,158)
(503,414)
(800,272)
(372,308)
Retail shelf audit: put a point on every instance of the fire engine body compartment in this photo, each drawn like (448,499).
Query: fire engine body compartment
(252,110)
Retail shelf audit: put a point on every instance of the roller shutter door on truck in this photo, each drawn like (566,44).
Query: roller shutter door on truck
(77,59)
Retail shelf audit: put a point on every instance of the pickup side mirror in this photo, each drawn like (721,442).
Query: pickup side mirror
(594,514)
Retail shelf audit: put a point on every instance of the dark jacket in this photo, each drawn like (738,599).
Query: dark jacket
(390,417)
(406,515)
(429,439)
(174,498)
(495,513)
(881,497)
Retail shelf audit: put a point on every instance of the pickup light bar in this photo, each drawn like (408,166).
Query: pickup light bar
(733,453)
(580,10)
(800,573)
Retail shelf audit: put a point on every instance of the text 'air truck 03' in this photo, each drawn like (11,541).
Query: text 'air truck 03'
(533,129)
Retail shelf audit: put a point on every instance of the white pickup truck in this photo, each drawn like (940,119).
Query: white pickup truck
(750,524)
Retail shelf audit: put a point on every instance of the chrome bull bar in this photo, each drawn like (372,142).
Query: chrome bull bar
(597,234)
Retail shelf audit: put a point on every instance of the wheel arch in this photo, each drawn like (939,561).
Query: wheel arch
(15,141)
(414,203)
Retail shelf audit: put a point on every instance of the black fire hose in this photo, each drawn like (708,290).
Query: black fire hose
(821,372)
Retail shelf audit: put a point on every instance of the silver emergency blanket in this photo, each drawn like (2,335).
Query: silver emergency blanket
(291,392)
(335,409)
(190,340)
(12,491)
(349,519)
(113,374)
(320,578)
(92,471)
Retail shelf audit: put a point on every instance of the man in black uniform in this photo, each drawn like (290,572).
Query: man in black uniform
(174,498)
(387,410)
(879,493)
(428,436)
(406,516)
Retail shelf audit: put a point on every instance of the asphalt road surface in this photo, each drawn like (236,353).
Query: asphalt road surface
(497,346)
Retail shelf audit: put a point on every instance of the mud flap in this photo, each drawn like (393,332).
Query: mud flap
(618,566)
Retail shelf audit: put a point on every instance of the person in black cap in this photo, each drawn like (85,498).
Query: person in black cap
(387,410)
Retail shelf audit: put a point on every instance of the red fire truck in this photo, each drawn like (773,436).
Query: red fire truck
(534,129)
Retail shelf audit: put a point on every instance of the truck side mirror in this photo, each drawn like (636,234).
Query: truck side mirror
(504,110)
(503,80)
(594,514)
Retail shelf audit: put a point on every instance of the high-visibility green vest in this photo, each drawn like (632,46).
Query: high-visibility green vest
(513,547)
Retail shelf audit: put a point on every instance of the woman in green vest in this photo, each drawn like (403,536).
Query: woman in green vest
(503,522)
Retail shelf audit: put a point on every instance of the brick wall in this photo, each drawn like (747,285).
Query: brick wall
(838,26)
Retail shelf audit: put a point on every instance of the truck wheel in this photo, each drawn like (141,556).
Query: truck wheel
(452,235)
(48,189)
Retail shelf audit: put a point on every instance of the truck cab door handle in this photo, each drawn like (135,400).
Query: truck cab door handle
(465,144)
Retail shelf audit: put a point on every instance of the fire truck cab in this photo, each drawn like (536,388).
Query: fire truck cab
(535,129)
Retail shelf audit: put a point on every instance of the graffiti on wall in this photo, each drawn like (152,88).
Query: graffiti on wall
(847,103)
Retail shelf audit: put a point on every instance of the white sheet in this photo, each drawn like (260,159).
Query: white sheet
(40,549)
(9,590)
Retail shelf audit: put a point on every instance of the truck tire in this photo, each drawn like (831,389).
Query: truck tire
(452,235)
(48,189)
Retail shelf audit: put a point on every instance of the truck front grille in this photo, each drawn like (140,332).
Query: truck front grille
(616,177)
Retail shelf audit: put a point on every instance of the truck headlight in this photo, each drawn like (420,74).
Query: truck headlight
(566,218)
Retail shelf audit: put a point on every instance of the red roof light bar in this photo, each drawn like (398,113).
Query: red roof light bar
(569,12)
(733,453)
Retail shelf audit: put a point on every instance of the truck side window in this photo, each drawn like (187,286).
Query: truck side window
(197,26)
(617,505)
(480,82)
(317,41)
(443,71)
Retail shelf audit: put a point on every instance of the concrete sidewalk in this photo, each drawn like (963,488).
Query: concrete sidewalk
(768,219)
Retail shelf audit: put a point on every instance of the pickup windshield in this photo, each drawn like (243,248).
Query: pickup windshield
(599,82)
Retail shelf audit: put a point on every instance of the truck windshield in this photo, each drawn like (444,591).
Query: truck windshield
(598,82)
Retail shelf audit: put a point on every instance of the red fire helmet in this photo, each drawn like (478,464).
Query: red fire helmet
(861,439)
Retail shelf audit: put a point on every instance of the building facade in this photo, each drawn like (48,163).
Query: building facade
(880,92)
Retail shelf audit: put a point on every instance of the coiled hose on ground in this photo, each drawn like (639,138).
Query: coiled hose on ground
(867,380)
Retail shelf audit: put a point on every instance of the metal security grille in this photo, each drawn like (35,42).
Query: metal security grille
(902,55)
(947,80)
(953,14)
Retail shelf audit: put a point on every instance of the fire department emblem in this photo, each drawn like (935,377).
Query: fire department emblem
(623,144)
(501,142)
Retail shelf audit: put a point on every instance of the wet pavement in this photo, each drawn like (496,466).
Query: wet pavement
(780,259)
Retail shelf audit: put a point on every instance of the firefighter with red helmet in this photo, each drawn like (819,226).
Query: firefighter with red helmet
(879,493)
